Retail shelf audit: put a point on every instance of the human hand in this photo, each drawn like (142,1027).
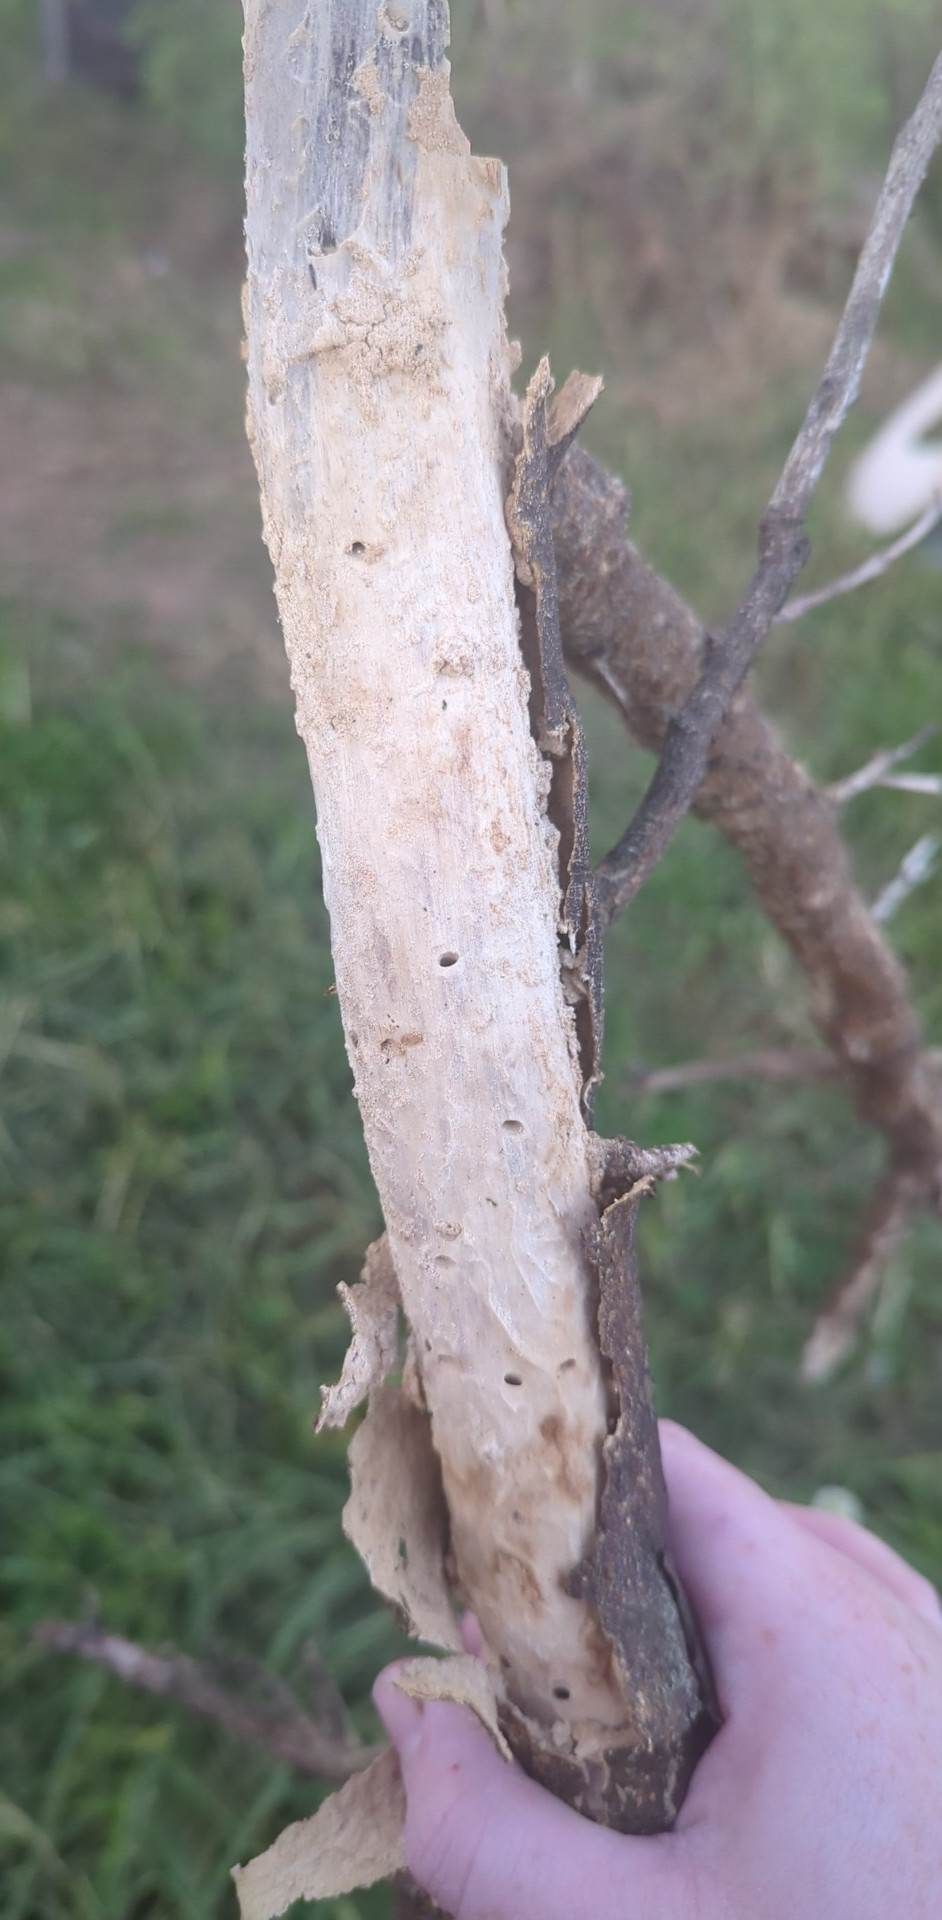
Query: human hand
(819,1799)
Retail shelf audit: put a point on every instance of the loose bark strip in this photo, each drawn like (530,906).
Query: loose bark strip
(628,631)
(281,1728)
(373,1310)
(353,1840)
(396,1516)
(381,420)
(783,543)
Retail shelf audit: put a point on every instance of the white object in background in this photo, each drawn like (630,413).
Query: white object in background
(897,474)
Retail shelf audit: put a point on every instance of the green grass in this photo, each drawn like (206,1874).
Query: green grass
(183,1184)
(182,1177)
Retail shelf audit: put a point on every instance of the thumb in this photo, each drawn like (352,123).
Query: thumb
(487,1843)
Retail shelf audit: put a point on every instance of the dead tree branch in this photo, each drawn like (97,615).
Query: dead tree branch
(279,1728)
(628,631)
(915,868)
(783,543)
(766,1063)
(876,772)
(872,569)
(838,1327)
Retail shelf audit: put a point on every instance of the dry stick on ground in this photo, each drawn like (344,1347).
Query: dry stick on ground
(872,569)
(452,840)
(280,1727)
(783,544)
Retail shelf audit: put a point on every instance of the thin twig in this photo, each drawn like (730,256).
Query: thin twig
(783,544)
(874,772)
(766,1063)
(917,866)
(836,1330)
(929,783)
(287,1733)
(872,569)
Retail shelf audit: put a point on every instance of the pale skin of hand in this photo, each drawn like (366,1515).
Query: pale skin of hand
(820,1798)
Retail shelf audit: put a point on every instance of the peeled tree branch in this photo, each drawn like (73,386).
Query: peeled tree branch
(448,772)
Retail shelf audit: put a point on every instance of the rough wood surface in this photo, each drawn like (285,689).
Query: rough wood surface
(381,421)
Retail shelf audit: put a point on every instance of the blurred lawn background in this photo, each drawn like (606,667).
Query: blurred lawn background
(182,1180)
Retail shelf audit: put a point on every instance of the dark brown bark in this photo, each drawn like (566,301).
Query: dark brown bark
(628,631)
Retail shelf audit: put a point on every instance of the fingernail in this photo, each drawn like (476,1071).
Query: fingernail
(400,1715)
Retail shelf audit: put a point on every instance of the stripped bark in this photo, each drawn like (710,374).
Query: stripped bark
(628,631)
(382,424)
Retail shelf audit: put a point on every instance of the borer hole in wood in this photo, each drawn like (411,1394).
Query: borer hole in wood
(448,959)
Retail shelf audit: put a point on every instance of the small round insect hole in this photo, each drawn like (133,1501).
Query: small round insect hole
(448,959)
(512,1380)
(358,549)
(560,1693)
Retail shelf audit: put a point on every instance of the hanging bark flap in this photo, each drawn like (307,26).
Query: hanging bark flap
(373,1310)
(396,1516)
(353,1840)
(547,432)
(462,1680)
(356,1837)
(566,411)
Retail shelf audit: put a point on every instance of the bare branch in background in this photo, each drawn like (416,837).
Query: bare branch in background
(766,1063)
(927,783)
(783,545)
(837,1330)
(874,772)
(280,1729)
(917,867)
(878,563)
(628,631)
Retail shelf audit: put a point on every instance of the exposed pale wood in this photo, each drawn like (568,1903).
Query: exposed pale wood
(381,418)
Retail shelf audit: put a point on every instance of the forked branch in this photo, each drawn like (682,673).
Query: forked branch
(783,543)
